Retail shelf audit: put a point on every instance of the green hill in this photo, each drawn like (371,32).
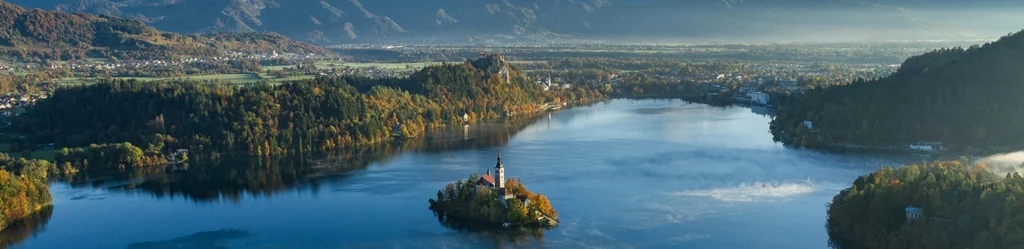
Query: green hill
(959,205)
(36,33)
(960,97)
(300,116)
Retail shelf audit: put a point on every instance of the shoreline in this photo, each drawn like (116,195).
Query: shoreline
(15,222)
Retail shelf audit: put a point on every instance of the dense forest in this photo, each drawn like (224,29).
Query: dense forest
(263,119)
(959,97)
(210,181)
(464,200)
(963,207)
(119,156)
(23,188)
(35,34)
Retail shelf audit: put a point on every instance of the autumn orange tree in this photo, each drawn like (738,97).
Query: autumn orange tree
(23,188)
(464,199)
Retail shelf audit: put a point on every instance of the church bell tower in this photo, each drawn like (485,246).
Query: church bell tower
(500,170)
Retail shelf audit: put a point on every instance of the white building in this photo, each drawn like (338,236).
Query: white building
(920,147)
(913,212)
(759,98)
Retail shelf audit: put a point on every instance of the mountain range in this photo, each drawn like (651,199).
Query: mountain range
(35,33)
(344,21)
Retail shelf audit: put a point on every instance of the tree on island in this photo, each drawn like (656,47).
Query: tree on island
(467,200)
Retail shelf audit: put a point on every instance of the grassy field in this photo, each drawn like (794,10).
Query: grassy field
(338,64)
(255,78)
(527,62)
(47,155)
(275,68)
(234,78)
(76,81)
(5,147)
(409,66)
(401,65)
(276,79)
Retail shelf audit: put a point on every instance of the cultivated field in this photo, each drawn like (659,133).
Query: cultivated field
(231,78)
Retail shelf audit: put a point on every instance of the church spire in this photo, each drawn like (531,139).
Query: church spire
(498,165)
(499,170)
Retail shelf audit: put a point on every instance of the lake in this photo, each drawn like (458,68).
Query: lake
(621,173)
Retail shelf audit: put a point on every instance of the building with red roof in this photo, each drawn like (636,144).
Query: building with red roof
(486,180)
(495,182)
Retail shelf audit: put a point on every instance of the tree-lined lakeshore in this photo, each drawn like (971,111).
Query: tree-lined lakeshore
(293,117)
(929,205)
(111,103)
(23,188)
(957,98)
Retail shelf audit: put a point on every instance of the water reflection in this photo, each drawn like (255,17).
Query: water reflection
(763,110)
(231,179)
(200,240)
(31,226)
(837,242)
(622,175)
(501,236)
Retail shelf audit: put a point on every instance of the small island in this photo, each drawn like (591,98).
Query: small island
(491,199)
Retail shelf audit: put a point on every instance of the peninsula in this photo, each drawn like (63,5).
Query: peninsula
(492,199)
(951,204)
(958,99)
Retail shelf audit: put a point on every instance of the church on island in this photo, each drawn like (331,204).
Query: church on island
(493,198)
(497,182)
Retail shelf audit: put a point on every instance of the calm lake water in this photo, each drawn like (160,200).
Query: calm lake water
(621,173)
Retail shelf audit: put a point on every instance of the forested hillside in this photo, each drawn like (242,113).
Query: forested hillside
(963,207)
(960,97)
(320,114)
(55,35)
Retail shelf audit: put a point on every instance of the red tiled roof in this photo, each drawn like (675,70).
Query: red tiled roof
(486,180)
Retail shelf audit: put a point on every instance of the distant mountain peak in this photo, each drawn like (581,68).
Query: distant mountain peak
(61,35)
(548,20)
(359,5)
(443,18)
